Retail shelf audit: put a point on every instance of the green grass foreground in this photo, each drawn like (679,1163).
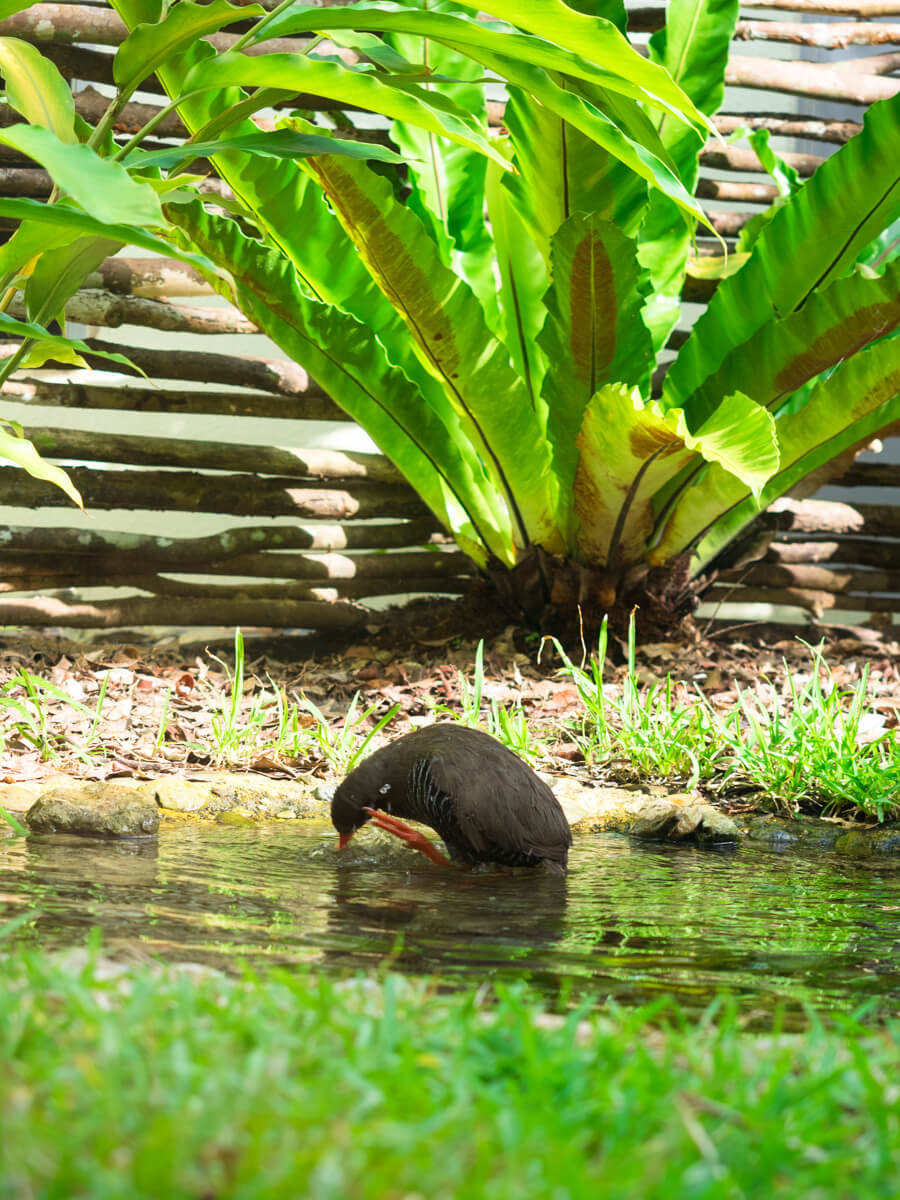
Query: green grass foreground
(163,1084)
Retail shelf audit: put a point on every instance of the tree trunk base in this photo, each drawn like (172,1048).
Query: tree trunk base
(566,599)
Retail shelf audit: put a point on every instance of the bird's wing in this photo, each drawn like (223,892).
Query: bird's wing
(504,805)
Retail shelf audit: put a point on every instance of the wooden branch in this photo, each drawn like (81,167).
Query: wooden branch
(232,495)
(864,552)
(92,307)
(91,105)
(813,578)
(735,158)
(71,24)
(870,64)
(270,375)
(697,291)
(834,8)
(423,564)
(744,193)
(345,589)
(820,34)
(358,576)
(835,36)
(831,517)
(729,224)
(87,446)
(312,405)
(870,475)
(819,129)
(816,602)
(374,572)
(66,24)
(90,66)
(34,182)
(645,20)
(217,611)
(23,544)
(149,277)
(807,79)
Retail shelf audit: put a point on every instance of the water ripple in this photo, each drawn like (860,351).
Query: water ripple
(630,921)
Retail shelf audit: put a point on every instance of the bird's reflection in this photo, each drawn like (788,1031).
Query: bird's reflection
(412,915)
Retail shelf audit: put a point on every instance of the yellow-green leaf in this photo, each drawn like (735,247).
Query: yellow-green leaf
(35,88)
(21,452)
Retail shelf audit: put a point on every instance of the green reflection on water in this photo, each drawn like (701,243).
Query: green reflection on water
(631,921)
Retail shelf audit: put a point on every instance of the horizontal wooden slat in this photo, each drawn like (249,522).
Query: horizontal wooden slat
(870,475)
(201,366)
(808,79)
(826,36)
(834,8)
(814,601)
(737,158)
(96,308)
(424,564)
(340,589)
(379,568)
(79,445)
(824,517)
(818,129)
(212,597)
(148,277)
(23,544)
(181,611)
(743,193)
(861,551)
(70,24)
(308,405)
(813,578)
(231,495)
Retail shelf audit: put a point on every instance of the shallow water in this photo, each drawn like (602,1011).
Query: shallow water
(631,921)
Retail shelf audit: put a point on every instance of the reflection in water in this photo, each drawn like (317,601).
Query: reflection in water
(630,921)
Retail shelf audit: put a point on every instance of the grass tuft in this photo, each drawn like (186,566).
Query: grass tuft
(345,746)
(152,1082)
(506,722)
(802,746)
(657,731)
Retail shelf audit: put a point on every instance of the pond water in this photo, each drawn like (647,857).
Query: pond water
(631,921)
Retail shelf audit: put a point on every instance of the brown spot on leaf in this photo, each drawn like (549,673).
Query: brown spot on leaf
(645,440)
(841,341)
(593,310)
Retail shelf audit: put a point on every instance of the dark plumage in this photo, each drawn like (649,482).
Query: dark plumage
(485,803)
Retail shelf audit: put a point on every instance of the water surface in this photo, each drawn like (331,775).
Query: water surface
(631,921)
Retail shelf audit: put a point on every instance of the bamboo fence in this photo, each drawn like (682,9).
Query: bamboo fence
(307,534)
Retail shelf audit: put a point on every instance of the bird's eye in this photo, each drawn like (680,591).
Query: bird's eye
(383,791)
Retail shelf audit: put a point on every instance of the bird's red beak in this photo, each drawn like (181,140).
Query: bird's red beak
(343,839)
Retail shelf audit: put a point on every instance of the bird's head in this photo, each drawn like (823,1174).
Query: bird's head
(348,811)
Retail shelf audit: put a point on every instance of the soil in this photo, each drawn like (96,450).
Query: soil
(411,657)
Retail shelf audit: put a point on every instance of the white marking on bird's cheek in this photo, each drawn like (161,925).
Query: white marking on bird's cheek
(383,791)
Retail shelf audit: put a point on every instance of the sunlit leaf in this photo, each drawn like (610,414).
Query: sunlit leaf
(102,187)
(278,143)
(301,74)
(149,45)
(35,88)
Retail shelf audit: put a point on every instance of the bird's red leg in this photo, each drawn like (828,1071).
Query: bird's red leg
(413,839)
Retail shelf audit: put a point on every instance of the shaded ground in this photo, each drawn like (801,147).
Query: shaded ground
(120,707)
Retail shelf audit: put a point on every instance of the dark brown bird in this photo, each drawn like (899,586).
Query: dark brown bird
(485,803)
